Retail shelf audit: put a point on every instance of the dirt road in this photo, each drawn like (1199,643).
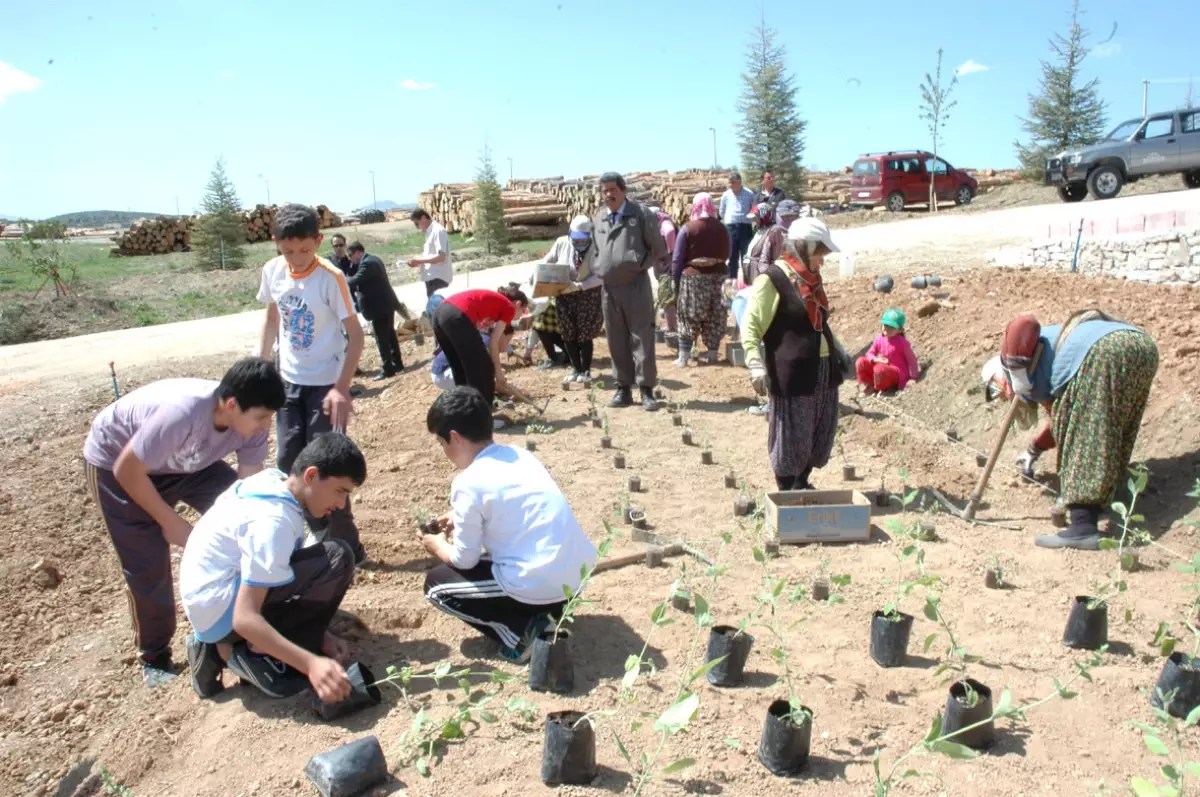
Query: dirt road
(88,355)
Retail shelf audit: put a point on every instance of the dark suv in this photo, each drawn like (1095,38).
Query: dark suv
(901,178)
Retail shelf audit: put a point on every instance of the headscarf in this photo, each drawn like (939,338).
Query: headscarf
(811,289)
(703,207)
(1020,341)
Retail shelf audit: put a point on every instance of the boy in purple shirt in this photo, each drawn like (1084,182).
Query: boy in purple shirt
(160,445)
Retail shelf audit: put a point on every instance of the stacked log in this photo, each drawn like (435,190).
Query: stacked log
(164,234)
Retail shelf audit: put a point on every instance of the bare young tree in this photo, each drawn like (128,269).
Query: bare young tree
(935,109)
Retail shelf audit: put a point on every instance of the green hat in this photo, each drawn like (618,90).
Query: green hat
(893,318)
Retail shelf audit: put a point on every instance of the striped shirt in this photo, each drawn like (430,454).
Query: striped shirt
(312,305)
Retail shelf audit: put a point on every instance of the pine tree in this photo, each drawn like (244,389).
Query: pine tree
(1064,115)
(935,109)
(219,235)
(488,204)
(771,133)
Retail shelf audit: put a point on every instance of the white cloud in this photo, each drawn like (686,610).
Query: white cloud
(412,85)
(1107,50)
(970,67)
(14,81)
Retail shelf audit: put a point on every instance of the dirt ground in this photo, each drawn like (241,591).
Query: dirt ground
(71,699)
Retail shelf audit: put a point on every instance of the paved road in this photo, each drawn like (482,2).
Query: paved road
(88,355)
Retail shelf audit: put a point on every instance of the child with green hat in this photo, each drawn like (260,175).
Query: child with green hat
(890,363)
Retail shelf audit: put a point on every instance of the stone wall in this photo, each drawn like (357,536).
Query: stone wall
(1162,257)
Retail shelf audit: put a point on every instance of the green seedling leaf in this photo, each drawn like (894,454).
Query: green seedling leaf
(1004,704)
(1156,745)
(1193,717)
(421,765)
(935,727)
(929,640)
(442,669)
(1109,544)
(759,556)
(779,585)
(452,730)
(1192,768)
(732,743)
(835,599)
(677,766)
(679,715)
(1120,508)
(1170,773)
(840,581)
(701,606)
(621,748)
(931,609)
(392,670)
(953,750)
(487,717)
(1144,788)
(700,673)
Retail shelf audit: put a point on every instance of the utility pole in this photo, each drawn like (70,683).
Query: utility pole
(714,132)
(177,213)
(374,201)
(267,183)
(1145,98)
(510,170)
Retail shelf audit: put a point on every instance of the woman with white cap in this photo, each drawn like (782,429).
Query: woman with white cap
(796,362)
(580,312)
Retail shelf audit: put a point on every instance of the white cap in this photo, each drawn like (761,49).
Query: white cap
(811,231)
(581,225)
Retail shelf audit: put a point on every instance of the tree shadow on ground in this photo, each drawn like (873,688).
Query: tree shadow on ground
(734,404)
(600,645)
(1166,500)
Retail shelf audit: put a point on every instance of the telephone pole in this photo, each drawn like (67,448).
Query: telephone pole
(374,201)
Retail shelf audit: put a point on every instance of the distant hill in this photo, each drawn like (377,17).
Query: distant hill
(388,204)
(102,218)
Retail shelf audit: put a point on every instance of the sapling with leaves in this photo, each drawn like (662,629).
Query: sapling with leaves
(908,553)
(592,413)
(1114,583)
(768,602)
(1166,738)
(575,599)
(834,584)
(955,657)
(1165,638)
(606,433)
(938,742)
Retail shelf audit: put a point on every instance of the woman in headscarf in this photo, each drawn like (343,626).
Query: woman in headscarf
(996,384)
(580,315)
(767,246)
(789,312)
(698,270)
(1096,371)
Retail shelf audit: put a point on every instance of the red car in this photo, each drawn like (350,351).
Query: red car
(899,179)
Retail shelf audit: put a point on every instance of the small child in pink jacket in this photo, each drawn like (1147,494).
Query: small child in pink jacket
(890,363)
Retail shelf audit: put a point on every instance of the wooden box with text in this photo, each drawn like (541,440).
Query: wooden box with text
(801,516)
(551,280)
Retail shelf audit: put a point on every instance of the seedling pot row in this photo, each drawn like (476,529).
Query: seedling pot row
(550,666)
(1181,673)
(820,589)
(1087,629)
(725,641)
(784,746)
(730,480)
(568,750)
(606,442)
(889,639)
(362,695)
(635,484)
(348,770)
(619,461)
(742,506)
(706,458)
(961,714)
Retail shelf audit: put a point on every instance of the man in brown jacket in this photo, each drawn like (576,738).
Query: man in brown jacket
(628,243)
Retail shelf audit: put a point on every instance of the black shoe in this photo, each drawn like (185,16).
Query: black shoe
(622,398)
(270,676)
(204,666)
(649,403)
(1083,534)
(158,670)
(360,555)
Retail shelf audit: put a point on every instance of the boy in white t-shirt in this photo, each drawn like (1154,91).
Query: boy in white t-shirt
(260,604)
(506,502)
(308,306)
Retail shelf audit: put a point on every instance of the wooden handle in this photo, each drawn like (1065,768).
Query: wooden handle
(981,485)
(612,563)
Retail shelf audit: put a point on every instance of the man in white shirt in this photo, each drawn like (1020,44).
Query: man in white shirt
(308,305)
(260,604)
(437,271)
(506,502)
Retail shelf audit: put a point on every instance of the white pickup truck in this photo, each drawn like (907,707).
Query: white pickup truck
(1162,143)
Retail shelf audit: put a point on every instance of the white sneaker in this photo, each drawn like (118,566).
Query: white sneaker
(585,378)
(760,409)
(569,378)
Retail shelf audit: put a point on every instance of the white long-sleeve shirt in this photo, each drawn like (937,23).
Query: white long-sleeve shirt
(506,502)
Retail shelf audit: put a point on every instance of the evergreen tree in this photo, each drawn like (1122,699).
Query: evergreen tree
(935,109)
(488,205)
(771,133)
(219,235)
(1064,115)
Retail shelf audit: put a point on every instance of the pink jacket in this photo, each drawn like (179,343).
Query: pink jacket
(898,352)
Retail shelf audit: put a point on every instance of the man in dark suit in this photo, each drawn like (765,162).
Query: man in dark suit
(340,259)
(377,302)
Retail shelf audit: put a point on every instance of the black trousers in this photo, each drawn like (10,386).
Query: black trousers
(388,344)
(297,423)
(432,286)
(554,345)
(739,241)
(302,609)
(475,597)
(580,354)
(469,359)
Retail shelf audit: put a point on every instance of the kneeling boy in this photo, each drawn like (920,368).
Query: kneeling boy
(164,444)
(261,604)
(506,502)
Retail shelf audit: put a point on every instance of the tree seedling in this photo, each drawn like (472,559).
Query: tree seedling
(730,479)
(426,523)
(575,599)
(606,439)
(1166,739)
(826,586)
(768,603)
(994,575)
(955,657)
(908,549)
(1114,583)
(706,455)
(936,741)
(686,436)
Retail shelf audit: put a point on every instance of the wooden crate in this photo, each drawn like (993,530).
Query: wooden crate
(551,280)
(802,516)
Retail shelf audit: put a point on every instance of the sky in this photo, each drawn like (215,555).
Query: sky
(125,104)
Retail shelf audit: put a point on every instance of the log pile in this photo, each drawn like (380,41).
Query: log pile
(164,234)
